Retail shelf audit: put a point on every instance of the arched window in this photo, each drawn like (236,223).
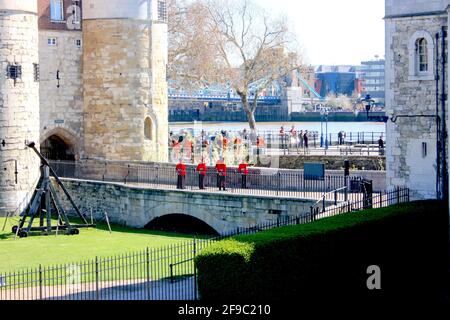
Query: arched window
(422,54)
(148,128)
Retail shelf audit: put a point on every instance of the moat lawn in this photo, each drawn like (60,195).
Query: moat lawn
(36,249)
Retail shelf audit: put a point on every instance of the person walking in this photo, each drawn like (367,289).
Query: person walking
(301,138)
(293,137)
(201,169)
(259,145)
(243,170)
(282,138)
(305,139)
(221,168)
(381,145)
(181,172)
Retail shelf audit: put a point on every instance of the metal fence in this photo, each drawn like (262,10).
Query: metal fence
(166,273)
(258,182)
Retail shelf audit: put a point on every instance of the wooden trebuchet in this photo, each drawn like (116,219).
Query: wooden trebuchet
(46,199)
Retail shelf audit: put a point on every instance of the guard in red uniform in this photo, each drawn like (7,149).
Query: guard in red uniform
(243,170)
(201,169)
(221,168)
(181,171)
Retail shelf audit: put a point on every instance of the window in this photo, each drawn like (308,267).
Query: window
(51,41)
(78,43)
(14,72)
(56,10)
(162,11)
(424,150)
(422,55)
(36,72)
(148,129)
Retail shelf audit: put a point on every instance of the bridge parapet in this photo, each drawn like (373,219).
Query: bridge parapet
(136,206)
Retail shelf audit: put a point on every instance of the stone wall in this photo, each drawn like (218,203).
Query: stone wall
(122,87)
(136,207)
(61,111)
(407,94)
(19,104)
(333,162)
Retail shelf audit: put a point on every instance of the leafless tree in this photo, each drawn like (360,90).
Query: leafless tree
(232,43)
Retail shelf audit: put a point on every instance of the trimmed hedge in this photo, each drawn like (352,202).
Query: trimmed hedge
(328,259)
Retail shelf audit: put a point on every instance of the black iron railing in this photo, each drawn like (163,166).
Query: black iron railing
(258,182)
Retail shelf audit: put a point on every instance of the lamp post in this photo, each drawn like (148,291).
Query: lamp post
(324,113)
(321,126)
(326,129)
(369,103)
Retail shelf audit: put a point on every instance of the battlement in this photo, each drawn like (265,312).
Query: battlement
(398,8)
(119,9)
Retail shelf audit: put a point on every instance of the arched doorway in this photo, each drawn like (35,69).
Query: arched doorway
(55,148)
(181,223)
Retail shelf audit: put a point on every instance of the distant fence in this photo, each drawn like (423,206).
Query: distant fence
(258,181)
(166,273)
(239,144)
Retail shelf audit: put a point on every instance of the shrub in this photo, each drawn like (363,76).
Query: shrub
(328,259)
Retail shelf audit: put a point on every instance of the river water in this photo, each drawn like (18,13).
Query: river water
(333,127)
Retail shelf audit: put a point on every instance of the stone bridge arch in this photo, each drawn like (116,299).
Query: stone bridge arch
(185,210)
(181,223)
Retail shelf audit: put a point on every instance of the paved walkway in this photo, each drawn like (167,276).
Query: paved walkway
(110,290)
(307,195)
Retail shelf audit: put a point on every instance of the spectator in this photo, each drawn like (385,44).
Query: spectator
(381,145)
(305,139)
(293,138)
(259,145)
(301,139)
(282,138)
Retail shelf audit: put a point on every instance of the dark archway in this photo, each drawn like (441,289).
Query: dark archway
(181,223)
(55,148)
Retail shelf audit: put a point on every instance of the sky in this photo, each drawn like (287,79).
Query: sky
(334,32)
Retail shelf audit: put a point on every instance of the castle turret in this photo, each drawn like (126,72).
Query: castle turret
(124,76)
(19,103)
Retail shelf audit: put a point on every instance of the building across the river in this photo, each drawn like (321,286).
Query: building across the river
(373,77)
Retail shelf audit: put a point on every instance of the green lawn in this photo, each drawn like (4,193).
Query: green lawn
(29,252)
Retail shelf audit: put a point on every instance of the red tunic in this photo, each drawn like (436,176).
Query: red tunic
(201,168)
(222,169)
(243,168)
(181,169)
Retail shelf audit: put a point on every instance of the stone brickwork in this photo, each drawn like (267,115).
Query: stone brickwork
(136,207)
(411,151)
(124,83)
(61,111)
(19,104)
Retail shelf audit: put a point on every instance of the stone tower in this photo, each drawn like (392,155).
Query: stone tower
(124,77)
(19,103)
